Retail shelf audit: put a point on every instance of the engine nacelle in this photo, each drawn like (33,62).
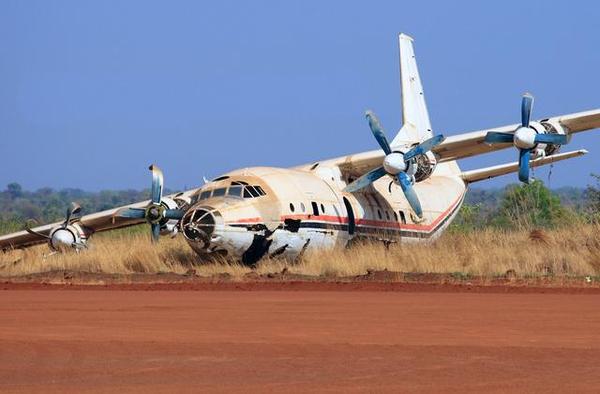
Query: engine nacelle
(425,165)
(169,226)
(551,126)
(72,236)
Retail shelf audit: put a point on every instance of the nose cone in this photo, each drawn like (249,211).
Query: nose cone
(524,138)
(198,225)
(394,163)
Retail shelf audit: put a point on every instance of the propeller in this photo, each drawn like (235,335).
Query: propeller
(395,164)
(61,237)
(525,138)
(155,213)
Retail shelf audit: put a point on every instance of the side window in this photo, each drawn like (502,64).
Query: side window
(379,213)
(302,207)
(387,215)
(402,217)
(322,209)
(292,207)
(395,216)
(315,208)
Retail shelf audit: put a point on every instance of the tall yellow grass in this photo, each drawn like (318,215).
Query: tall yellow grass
(570,251)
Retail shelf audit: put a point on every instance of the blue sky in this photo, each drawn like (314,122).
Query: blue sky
(93,92)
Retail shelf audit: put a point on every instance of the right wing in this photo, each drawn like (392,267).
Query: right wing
(473,143)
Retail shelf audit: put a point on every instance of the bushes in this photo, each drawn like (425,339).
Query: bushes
(519,207)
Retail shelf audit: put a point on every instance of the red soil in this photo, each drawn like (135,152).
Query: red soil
(292,341)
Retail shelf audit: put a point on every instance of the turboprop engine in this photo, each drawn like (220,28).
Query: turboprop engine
(69,235)
(530,138)
(162,213)
(402,165)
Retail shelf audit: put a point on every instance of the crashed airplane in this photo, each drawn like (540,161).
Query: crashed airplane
(408,190)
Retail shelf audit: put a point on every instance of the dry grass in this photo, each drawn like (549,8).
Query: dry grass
(572,251)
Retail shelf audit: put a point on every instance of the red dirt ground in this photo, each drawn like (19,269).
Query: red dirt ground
(292,341)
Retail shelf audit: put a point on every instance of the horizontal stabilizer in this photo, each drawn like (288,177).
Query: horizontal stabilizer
(503,169)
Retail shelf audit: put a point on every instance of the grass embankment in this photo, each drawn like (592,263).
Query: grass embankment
(570,251)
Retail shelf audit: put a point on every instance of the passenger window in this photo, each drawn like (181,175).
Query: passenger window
(387,215)
(292,207)
(402,217)
(395,216)
(235,191)
(322,208)
(315,208)
(302,207)
(219,192)
(379,213)
(205,194)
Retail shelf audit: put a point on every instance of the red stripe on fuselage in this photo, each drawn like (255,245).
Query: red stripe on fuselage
(359,222)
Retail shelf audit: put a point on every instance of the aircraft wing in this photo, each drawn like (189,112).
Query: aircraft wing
(92,223)
(471,144)
(462,145)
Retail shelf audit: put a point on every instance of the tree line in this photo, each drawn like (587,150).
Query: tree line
(513,206)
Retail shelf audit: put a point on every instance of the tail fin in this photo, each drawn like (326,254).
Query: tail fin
(416,126)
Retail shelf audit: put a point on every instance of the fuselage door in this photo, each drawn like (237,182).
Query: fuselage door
(351,219)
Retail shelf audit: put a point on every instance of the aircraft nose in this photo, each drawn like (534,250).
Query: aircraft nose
(198,225)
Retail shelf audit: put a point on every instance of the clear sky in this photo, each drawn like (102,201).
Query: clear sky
(92,92)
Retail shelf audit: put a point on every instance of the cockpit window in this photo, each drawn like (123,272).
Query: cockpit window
(235,191)
(205,194)
(219,192)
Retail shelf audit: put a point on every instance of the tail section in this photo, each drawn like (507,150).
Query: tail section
(416,126)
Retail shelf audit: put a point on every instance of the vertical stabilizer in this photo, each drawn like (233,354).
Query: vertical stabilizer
(415,118)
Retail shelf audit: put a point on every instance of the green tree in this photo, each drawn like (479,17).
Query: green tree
(529,206)
(14,190)
(469,218)
(592,199)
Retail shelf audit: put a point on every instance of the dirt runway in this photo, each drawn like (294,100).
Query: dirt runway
(297,341)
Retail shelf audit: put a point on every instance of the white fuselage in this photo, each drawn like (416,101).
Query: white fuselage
(294,210)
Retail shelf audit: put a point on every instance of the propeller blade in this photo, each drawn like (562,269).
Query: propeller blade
(377,131)
(131,213)
(157,184)
(526,106)
(495,137)
(554,139)
(365,180)
(33,222)
(424,147)
(174,213)
(74,210)
(524,165)
(155,232)
(409,193)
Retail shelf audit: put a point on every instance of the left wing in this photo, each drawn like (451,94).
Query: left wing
(463,145)
(473,143)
